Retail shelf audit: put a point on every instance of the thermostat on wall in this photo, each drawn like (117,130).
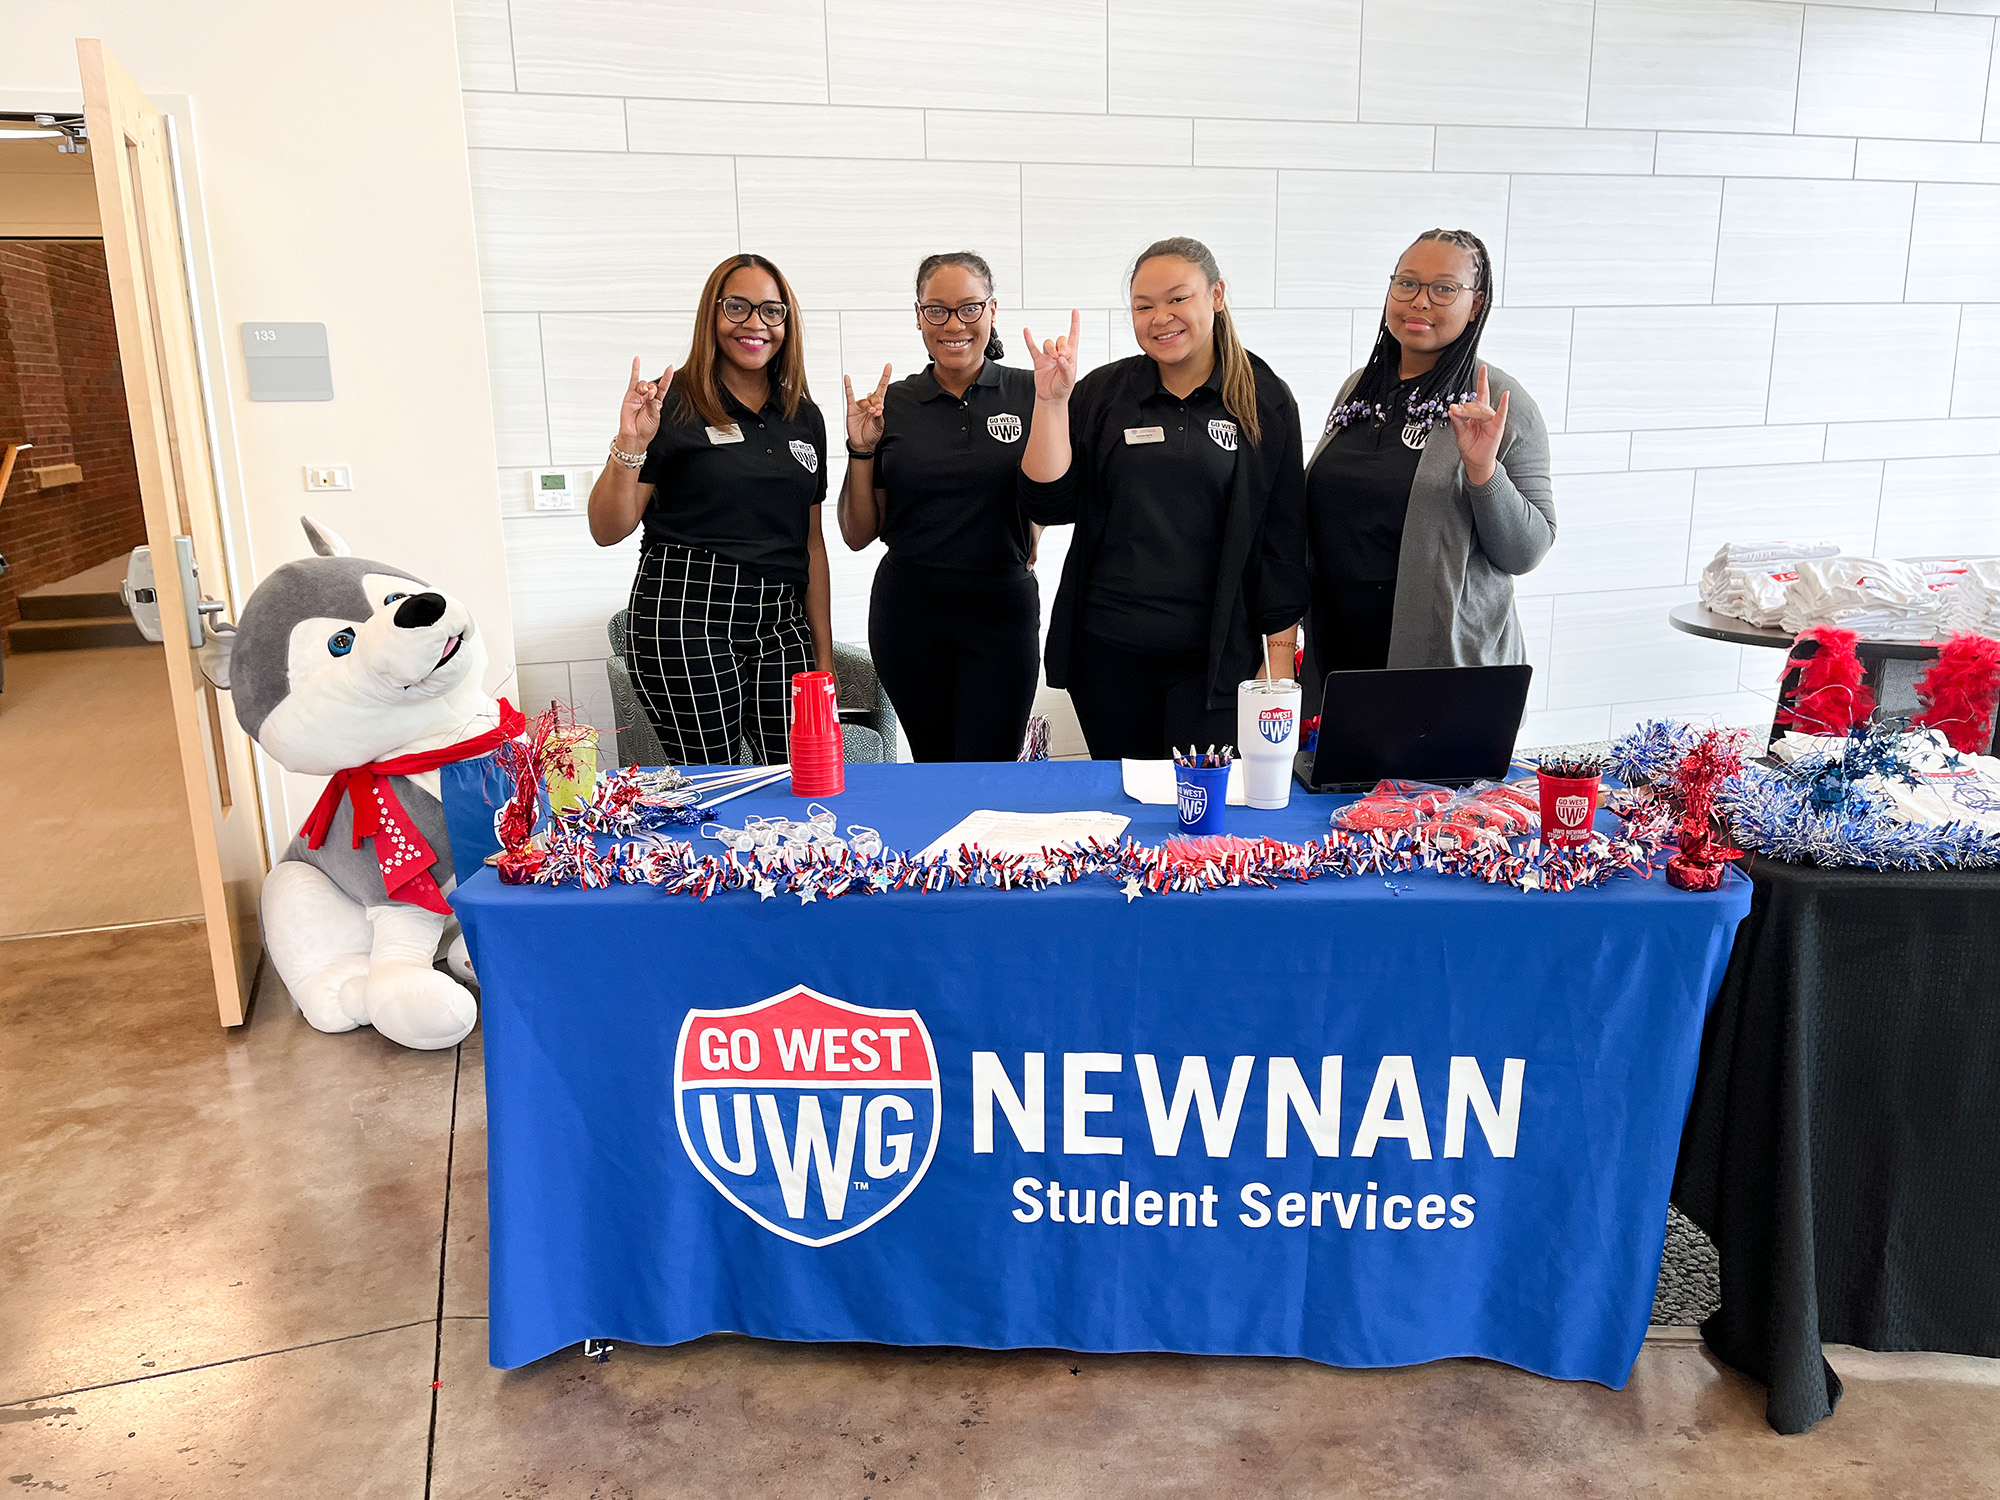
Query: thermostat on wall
(550,489)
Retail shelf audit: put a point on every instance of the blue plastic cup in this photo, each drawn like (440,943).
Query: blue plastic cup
(1201,792)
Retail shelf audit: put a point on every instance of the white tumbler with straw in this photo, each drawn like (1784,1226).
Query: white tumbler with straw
(1267,735)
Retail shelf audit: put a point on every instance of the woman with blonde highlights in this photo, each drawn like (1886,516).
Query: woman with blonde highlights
(1181,471)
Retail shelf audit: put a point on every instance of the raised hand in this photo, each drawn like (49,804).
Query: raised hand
(1479,425)
(864,417)
(1055,361)
(639,416)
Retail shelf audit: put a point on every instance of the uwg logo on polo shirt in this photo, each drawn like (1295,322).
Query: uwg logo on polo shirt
(813,1116)
(1275,724)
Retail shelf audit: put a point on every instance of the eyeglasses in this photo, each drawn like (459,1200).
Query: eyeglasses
(1442,293)
(968,314)
(738,310)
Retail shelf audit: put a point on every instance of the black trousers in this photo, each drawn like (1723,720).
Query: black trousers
(1143,704)
(958,653)
(712,649)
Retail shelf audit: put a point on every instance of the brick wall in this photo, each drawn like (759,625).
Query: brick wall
(62,390)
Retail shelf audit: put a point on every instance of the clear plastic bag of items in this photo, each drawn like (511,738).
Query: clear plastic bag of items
(1498,810)
(1393,806)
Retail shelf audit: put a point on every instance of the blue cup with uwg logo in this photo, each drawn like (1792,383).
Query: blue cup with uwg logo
(1201,792)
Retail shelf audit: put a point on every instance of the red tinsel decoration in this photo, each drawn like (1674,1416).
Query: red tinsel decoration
(1959,693)
(1830,697)
(1699,862)
(548,746)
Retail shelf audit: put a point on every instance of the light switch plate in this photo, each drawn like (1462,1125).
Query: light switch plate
(329,477)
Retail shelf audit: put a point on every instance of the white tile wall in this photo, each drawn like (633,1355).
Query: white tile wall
(1616,531)
(1023,54)
(1339,233)
(1083,225)
(1864,72)
(1770,229)
(1955,243)
(1975,387)
(689,49)
(1665,66)
(1597,242)
(1273,60)
(1748,250)
(1639,367)
(1800,502)
(1714,155)
(1939,507)
(1466,62)
(1853,364)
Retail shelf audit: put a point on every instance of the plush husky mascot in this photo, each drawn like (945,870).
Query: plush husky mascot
(355,670)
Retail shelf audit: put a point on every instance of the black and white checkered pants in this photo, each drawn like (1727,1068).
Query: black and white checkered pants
(712,649)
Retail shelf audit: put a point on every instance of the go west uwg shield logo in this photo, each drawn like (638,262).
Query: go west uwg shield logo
(813,1116)
(1275,724)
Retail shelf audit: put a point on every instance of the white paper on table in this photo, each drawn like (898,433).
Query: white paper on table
(1028,833)
(1152,782)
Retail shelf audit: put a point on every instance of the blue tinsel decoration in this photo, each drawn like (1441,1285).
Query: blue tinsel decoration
(1816,811)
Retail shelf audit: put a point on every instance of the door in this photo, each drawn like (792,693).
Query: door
(142,246)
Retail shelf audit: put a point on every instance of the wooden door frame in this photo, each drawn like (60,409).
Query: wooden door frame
(143,220)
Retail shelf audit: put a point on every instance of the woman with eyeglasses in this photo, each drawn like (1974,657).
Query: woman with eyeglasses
(933,464)
(1427,496)
(1180,468)
(724,465)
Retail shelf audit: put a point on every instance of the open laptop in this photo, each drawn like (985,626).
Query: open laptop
(1448,725)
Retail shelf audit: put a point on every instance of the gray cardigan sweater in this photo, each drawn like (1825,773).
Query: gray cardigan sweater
(1463,545)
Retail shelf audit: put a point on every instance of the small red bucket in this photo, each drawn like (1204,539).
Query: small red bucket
(1569,803)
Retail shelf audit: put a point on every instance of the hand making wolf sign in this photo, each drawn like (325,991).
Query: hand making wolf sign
(864,417)
(1055,361)
(639,416)
(1479,425)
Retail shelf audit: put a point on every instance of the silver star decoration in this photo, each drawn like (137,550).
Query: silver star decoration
(808,896)
(766,887)
(1133,890)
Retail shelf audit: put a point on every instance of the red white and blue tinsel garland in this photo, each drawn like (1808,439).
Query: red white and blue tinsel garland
(1817,811)
(569,853)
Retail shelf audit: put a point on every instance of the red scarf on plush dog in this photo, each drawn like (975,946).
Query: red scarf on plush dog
(402,852)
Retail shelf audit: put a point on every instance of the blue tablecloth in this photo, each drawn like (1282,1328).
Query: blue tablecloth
(1369,1122)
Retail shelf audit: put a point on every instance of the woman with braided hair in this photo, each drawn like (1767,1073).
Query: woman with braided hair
(1429,490)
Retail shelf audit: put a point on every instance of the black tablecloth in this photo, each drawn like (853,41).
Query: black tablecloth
(1843,1149)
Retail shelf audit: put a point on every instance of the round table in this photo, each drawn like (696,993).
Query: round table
(1696,618)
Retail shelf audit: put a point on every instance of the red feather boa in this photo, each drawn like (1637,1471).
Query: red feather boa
(1959,692)
(1830,697)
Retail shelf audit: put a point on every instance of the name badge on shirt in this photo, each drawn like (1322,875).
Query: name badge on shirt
(1135,435)
(720,435)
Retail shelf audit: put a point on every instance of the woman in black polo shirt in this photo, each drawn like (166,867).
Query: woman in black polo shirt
(933,468)
(726,467)
(1181,470)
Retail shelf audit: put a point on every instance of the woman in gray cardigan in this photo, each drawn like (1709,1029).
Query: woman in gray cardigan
(1429,491)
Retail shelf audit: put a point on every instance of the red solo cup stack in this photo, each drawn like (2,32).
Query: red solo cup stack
(817,769)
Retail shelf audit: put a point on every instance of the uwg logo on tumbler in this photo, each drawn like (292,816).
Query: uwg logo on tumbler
(1275,724)
(1194,801)
(1572,812)
(813,1116)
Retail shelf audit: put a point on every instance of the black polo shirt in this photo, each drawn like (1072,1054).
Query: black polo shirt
(950,465)
(1166,468)
(744,492)
(1357,493)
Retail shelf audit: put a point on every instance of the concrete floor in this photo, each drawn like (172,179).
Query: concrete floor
(254,1264)
(84,848)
